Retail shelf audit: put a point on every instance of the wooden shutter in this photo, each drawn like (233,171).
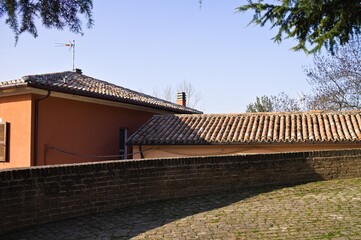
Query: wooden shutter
(3,142)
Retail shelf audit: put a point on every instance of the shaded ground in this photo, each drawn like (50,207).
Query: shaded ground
(321,210)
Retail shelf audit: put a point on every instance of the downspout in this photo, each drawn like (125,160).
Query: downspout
(36,127)
(141,151)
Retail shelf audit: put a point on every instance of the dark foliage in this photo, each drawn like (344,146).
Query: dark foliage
(21,14)
(313,23)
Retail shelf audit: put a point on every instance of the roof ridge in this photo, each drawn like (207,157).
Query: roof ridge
(271,113)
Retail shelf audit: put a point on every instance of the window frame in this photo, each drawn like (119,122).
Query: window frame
(123,149)
(4,141)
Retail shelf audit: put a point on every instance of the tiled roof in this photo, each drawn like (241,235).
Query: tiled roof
(250,128)
(79,84)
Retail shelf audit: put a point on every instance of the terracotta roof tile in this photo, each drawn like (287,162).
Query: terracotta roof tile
(79,84)
(251,128)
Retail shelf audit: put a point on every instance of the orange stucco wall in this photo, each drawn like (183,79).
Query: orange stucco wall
(17,111)
(82,128)
(161,151)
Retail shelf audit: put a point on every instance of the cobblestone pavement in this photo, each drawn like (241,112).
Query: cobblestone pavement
(321,210)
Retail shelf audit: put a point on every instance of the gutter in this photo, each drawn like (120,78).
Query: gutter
(14,85)
(36,127)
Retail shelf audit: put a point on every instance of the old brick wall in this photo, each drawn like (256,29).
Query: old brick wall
(37,195)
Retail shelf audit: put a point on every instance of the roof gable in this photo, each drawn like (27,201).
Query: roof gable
(250,128)
(82,85)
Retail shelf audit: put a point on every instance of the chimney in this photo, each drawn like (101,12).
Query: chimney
(181,99)
(78,70)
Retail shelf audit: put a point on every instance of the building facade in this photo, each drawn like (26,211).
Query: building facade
(69,117)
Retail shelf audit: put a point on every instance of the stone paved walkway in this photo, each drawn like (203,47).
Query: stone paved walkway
(321,210)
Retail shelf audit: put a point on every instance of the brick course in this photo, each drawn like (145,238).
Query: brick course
(37,195)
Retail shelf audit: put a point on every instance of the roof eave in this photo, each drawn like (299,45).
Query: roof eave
(245,143)
(110,98)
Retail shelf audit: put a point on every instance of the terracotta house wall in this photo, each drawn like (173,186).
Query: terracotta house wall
(20,127)
(162,151)
(83,128)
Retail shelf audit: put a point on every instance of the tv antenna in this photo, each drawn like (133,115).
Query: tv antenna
(71,46)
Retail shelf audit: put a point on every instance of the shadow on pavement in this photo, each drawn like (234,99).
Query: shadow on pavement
(132,221)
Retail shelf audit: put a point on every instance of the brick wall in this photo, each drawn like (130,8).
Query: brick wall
(41,194)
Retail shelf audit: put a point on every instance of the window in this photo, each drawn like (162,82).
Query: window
(122,143)
(3,142)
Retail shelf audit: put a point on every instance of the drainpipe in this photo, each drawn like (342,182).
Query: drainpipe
(36,127)
(141,151)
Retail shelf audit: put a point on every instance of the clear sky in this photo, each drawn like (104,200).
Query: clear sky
(143,45)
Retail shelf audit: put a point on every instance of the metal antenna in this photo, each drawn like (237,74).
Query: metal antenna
(71,45)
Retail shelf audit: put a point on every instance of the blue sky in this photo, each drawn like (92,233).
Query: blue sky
(143,45)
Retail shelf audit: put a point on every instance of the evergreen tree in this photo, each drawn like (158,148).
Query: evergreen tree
(20,14)
(313,23)
(262,104)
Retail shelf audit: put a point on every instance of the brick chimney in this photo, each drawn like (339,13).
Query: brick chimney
(78,70)
(181,99)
